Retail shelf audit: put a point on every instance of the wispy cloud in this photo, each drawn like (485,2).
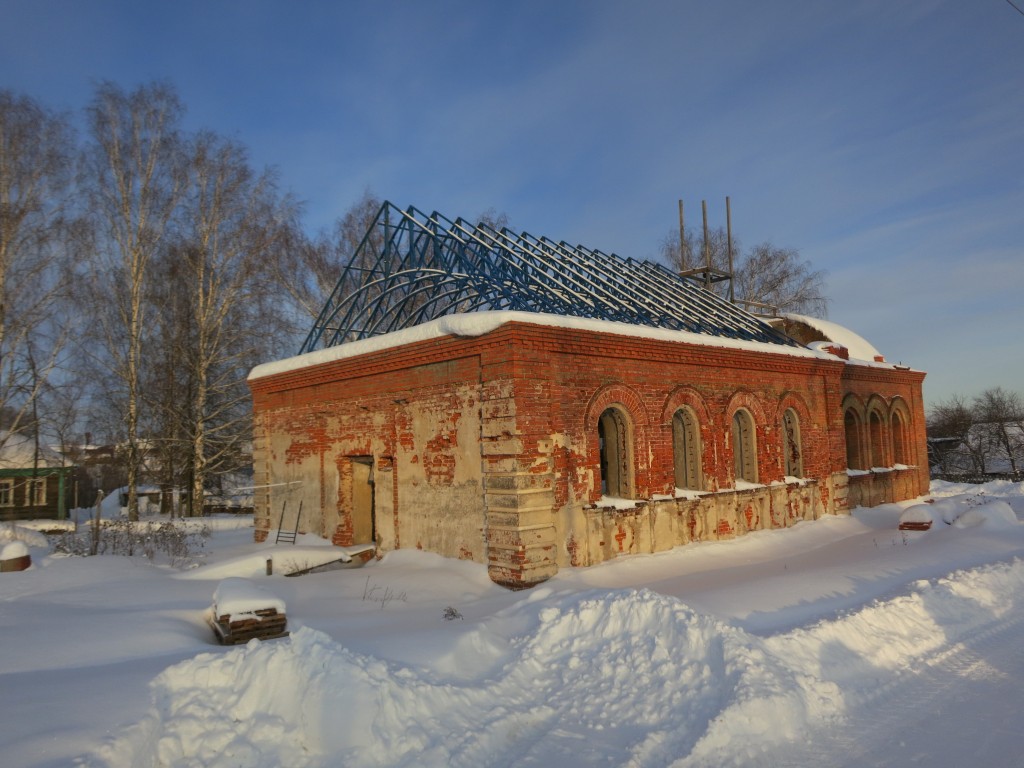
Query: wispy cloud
(881,139)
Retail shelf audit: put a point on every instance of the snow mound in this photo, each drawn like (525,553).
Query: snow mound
(632,674)
(13,550)
(962,512)
(21,533)
(992,514)
(571,679)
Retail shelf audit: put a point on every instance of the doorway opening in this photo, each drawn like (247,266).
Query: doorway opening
(364,524)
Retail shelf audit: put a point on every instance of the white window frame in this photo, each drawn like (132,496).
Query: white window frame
(7,483)
(35,492)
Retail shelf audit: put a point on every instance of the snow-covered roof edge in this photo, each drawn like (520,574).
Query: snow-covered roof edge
(861,350)
(19,452)
(480,323)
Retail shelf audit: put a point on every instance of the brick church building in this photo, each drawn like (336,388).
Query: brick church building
(532,406)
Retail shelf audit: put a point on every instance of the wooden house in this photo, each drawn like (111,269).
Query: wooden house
(34,480)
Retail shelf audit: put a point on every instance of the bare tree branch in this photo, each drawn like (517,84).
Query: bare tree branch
(765,274)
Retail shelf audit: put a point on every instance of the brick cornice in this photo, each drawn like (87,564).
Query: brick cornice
(640,348)
(384,361)
(515,340)
(891,375)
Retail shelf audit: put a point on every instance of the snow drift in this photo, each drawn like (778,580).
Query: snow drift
(600,677)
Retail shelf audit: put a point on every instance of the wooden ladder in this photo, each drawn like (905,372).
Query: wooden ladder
(288,537)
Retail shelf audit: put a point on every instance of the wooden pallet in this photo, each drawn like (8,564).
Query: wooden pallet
(916,526)
(265,624)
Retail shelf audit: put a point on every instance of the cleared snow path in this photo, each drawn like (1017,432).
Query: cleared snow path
(962,707)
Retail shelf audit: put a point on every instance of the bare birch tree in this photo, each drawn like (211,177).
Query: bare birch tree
(316,265)
(1000,416)
(953,421)
(133,176)
(780,278)
(166,375)
(36,148)
(691,253)
(984,435)
(233,226)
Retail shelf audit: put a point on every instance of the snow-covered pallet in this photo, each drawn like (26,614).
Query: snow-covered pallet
(242,611)
(265,624)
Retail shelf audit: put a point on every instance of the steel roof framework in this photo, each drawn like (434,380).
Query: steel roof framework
(411,268)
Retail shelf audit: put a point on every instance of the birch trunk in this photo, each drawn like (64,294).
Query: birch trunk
(133,177)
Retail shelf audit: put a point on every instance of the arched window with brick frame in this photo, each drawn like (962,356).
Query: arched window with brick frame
(615,439)
(686,449)
(792,448)
(744,446)
(876,437)
(899,422)
(854,448)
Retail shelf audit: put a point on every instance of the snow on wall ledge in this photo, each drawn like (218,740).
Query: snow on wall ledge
(600,677)
(480,323)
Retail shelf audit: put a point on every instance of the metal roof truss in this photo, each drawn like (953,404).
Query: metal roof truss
(411,268)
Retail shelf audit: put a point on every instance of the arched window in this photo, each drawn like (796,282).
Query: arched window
(744,446)
(877,433)
(899,439)
(854,455)
(686,449)
(791,447)
(615,439)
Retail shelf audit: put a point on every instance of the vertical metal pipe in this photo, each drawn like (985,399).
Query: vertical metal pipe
(682,240)
(728,229)
(387,233)
(707,247)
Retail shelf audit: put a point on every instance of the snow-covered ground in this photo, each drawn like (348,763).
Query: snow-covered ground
(842,642)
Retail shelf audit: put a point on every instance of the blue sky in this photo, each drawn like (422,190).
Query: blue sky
(883,140)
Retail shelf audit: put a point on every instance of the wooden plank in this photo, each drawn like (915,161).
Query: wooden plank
(915,526)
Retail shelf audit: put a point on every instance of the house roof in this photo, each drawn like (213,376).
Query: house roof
(411,268)
(19,452)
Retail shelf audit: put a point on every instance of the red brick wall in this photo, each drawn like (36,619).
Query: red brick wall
(565,379)
(884,389)
(492,441)
(415,415)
